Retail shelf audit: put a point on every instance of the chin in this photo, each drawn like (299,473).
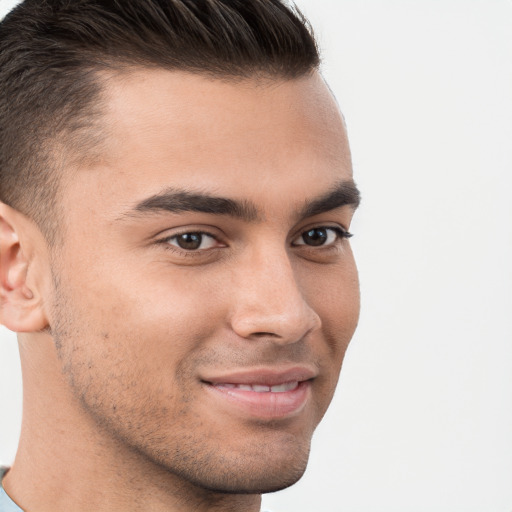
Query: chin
(253,483)
(245,474)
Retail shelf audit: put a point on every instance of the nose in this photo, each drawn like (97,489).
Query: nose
(269,303)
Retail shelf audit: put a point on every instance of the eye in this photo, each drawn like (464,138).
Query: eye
(193,241)
(321,236)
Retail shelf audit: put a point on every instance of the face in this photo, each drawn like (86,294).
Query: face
(206,291)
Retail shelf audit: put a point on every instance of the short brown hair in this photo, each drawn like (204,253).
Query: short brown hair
(52,50)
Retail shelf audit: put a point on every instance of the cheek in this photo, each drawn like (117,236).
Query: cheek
(124,357)
(333,292)
(160,307)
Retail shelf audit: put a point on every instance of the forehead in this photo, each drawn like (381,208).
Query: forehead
(235,138)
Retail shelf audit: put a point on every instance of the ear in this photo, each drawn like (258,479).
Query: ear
(21,304)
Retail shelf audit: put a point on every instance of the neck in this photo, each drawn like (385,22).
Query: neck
(78,466)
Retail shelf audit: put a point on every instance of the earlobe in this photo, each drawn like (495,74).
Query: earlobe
(20,305)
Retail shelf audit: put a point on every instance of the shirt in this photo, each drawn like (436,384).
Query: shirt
(6,504)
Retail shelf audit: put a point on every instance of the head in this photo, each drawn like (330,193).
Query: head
(177,193)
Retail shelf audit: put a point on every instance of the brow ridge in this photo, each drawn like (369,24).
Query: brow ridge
(344,193)
(176,201)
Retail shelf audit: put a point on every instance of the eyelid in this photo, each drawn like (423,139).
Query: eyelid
(207,229)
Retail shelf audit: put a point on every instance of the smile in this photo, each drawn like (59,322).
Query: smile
(260,388)
(263,394)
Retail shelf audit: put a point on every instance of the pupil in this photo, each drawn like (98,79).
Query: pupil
(315,236)
(190,241)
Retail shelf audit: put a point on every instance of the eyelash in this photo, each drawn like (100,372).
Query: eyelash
(340,233)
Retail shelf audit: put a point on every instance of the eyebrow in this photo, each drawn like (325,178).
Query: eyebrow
(344,193)
(177,201)
(174,200)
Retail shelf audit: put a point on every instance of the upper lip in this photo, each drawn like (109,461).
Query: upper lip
(264,376)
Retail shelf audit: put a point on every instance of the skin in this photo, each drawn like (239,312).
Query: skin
(120,327)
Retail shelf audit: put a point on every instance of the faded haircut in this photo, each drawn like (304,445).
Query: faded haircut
(53,54)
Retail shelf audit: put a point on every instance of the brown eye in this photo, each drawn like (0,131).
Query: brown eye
(320,236)
(317,236)
(189,241)
(192,241)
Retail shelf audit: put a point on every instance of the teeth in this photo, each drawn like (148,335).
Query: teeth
(260,388)
(282,388)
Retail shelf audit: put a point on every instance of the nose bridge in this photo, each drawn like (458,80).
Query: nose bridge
(269,300)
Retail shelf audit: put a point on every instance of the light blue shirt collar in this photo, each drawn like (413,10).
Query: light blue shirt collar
(6,504)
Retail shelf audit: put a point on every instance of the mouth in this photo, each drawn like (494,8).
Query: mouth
(263,394)
(260,388)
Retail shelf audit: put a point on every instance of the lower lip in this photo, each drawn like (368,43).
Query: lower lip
(266,405)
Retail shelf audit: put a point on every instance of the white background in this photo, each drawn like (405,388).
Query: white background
(422,420)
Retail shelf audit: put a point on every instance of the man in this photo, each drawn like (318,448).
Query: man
(176,193)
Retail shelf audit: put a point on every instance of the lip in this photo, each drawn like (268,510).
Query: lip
(266,405)
(263,376)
